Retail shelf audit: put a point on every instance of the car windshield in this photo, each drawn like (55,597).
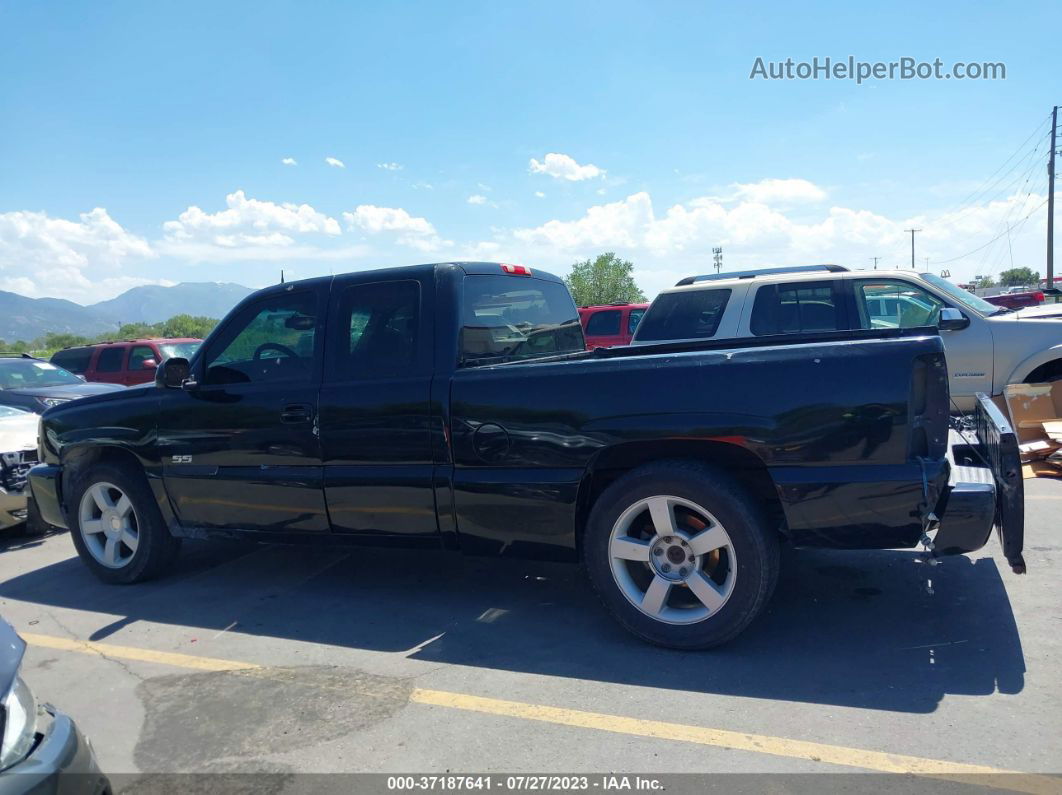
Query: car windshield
(967,299)
(32,373)
(181,350)
(6,412)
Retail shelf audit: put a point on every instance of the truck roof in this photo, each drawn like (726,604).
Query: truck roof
(786,275)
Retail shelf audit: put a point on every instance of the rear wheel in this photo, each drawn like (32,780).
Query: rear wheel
(681,555)
(116,525)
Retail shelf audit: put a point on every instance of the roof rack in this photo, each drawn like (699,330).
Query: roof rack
(15,355)
(711,277)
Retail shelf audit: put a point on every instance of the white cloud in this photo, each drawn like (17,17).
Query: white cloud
(289,161)
(677,241)
(412,231)
(781,191)
(540,194)
(387,219)
(390,166)
(477,199)
(560,166)
(247,223)
(30,238)
(335,162)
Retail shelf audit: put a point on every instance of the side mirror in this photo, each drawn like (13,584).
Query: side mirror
(148,364)
(952,320)
(172,373)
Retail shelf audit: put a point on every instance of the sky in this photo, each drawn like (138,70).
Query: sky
(200,141)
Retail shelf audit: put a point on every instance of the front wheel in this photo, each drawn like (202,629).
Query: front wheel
(116,525)
(681,555)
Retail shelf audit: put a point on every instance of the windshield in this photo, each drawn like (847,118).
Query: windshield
(507,318)
(30,373)
(179,350)
(967,299)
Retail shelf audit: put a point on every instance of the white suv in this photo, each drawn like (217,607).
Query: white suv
(987,347)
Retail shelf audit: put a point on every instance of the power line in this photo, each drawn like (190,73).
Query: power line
(993,240)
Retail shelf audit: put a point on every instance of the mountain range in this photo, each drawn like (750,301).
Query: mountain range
(23,318)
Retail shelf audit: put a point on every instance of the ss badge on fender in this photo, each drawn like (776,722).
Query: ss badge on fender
(181,459)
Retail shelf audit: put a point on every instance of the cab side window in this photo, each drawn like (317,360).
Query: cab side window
(895,303)
(378,330)
(633,319)
(798,307)
(603,324)
(138,355)
(110,360)
(269,341)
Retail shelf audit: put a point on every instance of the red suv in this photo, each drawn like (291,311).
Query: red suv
(128,362)
(611,324)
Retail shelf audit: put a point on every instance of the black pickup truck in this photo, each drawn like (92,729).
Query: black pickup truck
(453,406)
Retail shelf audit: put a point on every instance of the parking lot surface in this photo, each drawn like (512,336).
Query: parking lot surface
(308,659)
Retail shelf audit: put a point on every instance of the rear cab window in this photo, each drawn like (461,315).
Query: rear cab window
(686,315)
(796,307)
(507,318)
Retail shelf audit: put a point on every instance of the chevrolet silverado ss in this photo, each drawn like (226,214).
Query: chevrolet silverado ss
(453,406)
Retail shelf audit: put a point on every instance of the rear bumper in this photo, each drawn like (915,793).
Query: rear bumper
(985,488)
(44,481)
(62,761)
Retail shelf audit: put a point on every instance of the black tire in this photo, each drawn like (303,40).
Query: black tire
(156,548)
(755,547)
(35,524)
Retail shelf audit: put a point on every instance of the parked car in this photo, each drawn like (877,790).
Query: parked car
(35,385)
(987,346)
(1016,299)
(610,324)
(18,452)
(42,750)
(129,362)
(454,407)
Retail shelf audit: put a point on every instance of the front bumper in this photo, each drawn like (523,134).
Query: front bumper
(62,761)
(12,507)
(44,480)
(985,488)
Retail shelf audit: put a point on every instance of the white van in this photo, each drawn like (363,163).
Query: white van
(987,346)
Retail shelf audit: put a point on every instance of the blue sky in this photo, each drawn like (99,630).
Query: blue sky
(144,142)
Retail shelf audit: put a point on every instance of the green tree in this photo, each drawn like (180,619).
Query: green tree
(984,281)
(603,280)
(1017,277)
(188,326)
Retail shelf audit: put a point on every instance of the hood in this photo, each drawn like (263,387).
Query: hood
(67,391)
(1040,312)
(12,647)
(18,433)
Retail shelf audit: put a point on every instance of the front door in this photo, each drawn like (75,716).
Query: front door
(240,450)
(375,409)
(898,303)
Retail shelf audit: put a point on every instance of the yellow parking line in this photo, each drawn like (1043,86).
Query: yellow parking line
(130,653)
(618,724)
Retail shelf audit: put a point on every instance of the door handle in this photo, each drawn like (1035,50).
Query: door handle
(296,412)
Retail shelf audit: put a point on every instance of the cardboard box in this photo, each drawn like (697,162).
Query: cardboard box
(1036,415)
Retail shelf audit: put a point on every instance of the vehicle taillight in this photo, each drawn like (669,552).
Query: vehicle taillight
(1039,297)
(516,270)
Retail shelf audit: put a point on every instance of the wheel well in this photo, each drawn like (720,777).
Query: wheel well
(1044,371)
(79,459)
(616,461)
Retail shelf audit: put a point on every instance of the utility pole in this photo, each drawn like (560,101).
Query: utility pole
(927,264)
(717,258)
(875,262)
(912,231)
(1051,202)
